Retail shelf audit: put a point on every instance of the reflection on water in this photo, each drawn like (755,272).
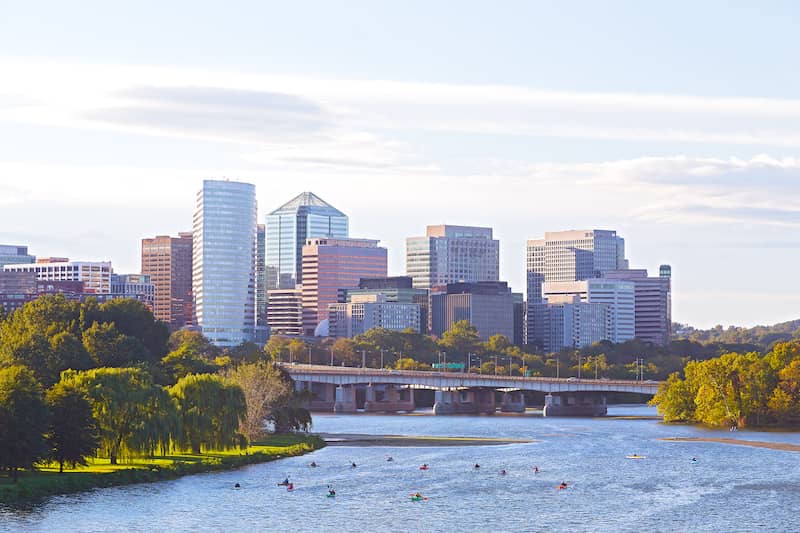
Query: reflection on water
(730,488)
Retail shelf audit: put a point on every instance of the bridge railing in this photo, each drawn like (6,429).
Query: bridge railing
(361,371)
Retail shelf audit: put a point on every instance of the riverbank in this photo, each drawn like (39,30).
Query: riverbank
(782,446)
(47,481)
(400,441)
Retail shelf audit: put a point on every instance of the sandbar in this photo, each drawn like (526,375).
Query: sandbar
(782,446)
(341,439)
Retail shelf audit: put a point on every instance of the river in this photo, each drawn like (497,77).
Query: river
(729,488)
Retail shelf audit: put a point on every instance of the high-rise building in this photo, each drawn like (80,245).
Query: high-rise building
(289,227)
(653,303)
(487,305)
(261,275)
(223,261)
(368,311)
(136,286)
(11,255)
(575,324)
(572,255)
(617,295)
(95,275)
(452,254)
(285,311)
(330,265)
(168,262)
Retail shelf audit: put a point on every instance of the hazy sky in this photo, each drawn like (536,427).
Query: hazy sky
(675,123)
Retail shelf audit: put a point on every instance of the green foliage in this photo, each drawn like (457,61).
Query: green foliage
(23,420)
(736,389)
(186,360)
(122,400)
(211,409)
(461,339)
(72,434)
(759,337)
(108,347)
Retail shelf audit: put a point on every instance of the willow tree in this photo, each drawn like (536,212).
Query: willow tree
(211,409)
(121,400)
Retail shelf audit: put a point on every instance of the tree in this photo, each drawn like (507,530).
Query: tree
(120,399)
(133,319)
(72,433)
(462,338)
(194,340)
(23,420)
(345,351)
(211,409)
(186,360)
(110,348)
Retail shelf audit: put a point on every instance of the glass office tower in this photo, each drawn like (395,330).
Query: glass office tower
(304,217)
(223,261)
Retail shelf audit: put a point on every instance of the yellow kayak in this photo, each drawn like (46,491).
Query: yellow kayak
(635,457)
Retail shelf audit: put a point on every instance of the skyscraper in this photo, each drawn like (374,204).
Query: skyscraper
(261,275)
(168,262)
(287,228)
(571,255)
(487,305)
(330,265)
(452,254)
(653,303)
(223,261)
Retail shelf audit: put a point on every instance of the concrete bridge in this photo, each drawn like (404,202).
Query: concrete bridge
(334,388)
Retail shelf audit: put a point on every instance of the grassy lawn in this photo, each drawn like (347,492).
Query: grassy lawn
(47,481)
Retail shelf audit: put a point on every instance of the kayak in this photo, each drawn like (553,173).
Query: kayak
(330,495)
(415,499)
(635,457)
(423,468)
(283,484)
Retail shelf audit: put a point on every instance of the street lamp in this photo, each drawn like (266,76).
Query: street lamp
(331,356)
(579,366)
(309,354)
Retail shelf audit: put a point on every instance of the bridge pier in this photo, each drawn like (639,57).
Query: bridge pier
(464,401)
(388,398)
(575,404)
(345,399)
(513,402)
(322,395)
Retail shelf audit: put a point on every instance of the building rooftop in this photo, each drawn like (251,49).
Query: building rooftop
(305,199)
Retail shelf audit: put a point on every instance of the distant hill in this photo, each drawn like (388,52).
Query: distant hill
(763,336)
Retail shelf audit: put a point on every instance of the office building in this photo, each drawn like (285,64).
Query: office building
(168,262)
(397,289)
(95,275)
(519,318)
(19,288)
(575,324)
(289,227)
(12,255)
(487,305)
(261,275)
(223,261)
(136,286)
(367,311)
(653,303)
(330,265)
(572,255)
(285,311)
(452,254)
(617,295)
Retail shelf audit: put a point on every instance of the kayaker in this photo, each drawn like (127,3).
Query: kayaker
(477,465)
(535,469)
(237,486)
(563,485)
(503,472)
(418,495)
(285,481)
(290,486)
(331,492)
(424,466)
(694,459)
(313,464)
(352,465)
(389,459)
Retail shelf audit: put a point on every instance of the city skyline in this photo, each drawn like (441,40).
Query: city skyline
(688,150)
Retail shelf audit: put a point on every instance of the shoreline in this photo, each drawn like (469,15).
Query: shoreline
(409,441)
(781,446)
(34,486)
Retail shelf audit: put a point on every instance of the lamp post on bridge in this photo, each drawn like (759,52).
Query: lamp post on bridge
(331,355)
(309,354)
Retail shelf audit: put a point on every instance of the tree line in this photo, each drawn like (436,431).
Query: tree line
(85,379)
(736,389)
(462,345)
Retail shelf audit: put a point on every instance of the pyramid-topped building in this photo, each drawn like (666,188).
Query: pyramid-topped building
(288,227)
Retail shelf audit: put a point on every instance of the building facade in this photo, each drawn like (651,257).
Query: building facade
(261,275)
(330,265)
(575,324)
(618,296)
(365,312)
(289,227)
(12,255)
(452,254)
(223,261)
(168,262)
(95,275)
(487,305)
(397,289)
(136,286)
(653,302)
(285,311)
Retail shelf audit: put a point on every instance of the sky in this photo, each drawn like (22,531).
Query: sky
(675,123)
